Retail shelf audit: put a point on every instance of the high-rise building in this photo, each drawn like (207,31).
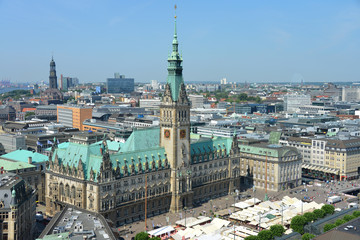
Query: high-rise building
(68,82)
(73,116)
(120,84)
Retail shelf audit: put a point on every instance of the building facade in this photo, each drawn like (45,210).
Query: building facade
(292,102)
(156,169)
(17,208)
(73,116)
(120,84)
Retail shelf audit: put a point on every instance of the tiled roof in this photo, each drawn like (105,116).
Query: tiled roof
(22,155)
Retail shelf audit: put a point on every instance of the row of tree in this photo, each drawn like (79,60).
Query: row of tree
(341,221)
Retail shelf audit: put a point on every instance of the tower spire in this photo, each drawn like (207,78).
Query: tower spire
(174,78)
(175,33)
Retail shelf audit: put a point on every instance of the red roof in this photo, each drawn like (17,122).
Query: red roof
(29,109)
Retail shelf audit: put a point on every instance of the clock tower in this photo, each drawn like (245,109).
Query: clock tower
(175,130)
(52,77)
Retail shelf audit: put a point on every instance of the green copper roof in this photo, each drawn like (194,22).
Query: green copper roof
(271,150)
(156,154)
(274,137)
(23,156)
(142,139)
(13,165)
(89,154)
(113,145)
(210,145)
(174,78)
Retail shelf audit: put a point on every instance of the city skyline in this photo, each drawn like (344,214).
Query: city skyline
(268,42)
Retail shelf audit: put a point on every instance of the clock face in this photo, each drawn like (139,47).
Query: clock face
(167,133)
(182,134)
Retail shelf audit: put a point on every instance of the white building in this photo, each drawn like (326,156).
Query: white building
(293,102)
(351,94)
(197,101)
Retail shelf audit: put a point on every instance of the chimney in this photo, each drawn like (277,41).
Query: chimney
(30,160)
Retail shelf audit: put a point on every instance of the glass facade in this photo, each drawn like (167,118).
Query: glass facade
(120,85)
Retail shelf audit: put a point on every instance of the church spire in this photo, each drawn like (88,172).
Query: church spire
(175,78)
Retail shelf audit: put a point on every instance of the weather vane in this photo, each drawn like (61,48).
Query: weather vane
(175,10)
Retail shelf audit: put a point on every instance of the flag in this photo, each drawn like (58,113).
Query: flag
(50,142)
(58,141)
(39,143)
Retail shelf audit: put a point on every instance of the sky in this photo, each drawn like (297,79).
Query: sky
(253,41)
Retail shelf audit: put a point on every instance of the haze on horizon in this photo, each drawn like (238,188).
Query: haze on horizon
(253,41)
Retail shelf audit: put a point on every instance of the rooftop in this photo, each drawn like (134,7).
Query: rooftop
(78,224)
(22,155)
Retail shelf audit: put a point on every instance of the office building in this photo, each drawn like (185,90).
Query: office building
(73,115)
(149,104)
(197,101)
(120,84)
(292,102)
(12,142)
(68,82)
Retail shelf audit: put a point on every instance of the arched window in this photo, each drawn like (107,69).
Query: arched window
(73,192)
(67,190)
(61,189)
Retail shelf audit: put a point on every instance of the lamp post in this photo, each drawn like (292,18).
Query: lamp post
(185,215)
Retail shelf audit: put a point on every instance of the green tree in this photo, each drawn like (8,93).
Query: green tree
(277,230)
(356,213)
(328,209)
(319,213)
(307,236)
(29,115)
(265,235)
(297,224)
(142,236)
(242,97)
(155,238)
(349,217)
(328,227)
(251,238)
(310,216)
(340,222)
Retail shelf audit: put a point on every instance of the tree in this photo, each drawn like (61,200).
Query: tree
(307,236)
(349,217)
(297,224)
(328,227)
(340,222)
(356,213)
(29,114)
(142,236)
(265,235)
(277,230)
(251,238)
(310,216)
(319,213)
(328,209)
(155,238)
